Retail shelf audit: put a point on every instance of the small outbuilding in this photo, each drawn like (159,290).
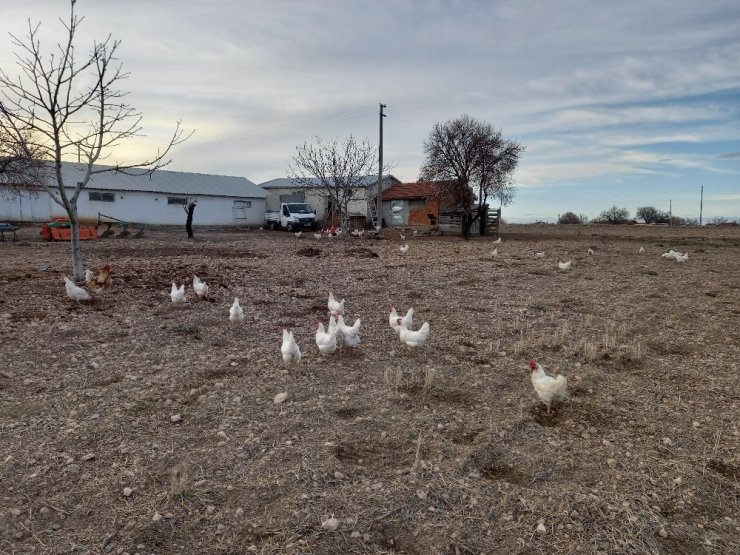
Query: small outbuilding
(415,203)
(135,196)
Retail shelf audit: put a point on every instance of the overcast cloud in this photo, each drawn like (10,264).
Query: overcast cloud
(627,103)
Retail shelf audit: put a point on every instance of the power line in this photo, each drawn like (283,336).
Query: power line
(294,125)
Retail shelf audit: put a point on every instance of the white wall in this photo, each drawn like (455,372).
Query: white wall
(134,206)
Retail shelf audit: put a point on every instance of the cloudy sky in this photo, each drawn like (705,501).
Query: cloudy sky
(630,103)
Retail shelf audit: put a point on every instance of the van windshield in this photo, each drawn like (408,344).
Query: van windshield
(299,208)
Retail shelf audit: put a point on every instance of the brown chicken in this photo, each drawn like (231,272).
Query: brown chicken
(101,282)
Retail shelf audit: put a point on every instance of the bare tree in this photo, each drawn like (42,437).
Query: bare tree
(338,171)
(469,153)
(72,109)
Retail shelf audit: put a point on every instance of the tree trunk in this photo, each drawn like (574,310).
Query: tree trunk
(189,221)
(483,219)
(78,271)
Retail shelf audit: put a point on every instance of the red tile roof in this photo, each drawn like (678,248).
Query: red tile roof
(418,190)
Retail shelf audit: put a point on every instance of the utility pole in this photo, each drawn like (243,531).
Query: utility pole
(701,204)
(670,212)
(379,197)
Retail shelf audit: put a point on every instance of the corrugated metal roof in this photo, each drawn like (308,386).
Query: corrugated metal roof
(287,182)
(164,181)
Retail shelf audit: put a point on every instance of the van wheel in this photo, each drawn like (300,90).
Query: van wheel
(289,227)
(272,226)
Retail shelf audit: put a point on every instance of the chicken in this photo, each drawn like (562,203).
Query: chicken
(200,287)
(404,248)
(334,306)
(590,252)
(642,250)
(671,254)
(289,349)
(403,237)
(333,329)
(682,257)
(540,254)
(494,253)
(317,236)
(550,390)
(100,282)
(350,334)
(326,342)
(393,319)
(412,338)
(236,313)
(74,292)
(356,233)
(298,234)
(565,266)
(177,295)
(497,241)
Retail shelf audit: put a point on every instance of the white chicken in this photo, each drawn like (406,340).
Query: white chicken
(298,234)
(317,236)
(565,266)
(494,253)
(540,254)
(177,294)
(550,390)
(404,248)
(590,252)
(326,342)
(497,241)
(89,275)
(200,287)
(74,292)
(289,349)
(671,254)
(642,250)
(412,338)
(236,313)
(682,257)
(350,334)
(334,306)
(393,319)
(355,233)
(403,237)
(333,329)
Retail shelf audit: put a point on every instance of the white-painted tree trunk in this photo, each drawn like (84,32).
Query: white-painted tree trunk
(74,225)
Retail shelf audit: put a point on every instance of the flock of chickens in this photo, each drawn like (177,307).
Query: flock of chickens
(337,334)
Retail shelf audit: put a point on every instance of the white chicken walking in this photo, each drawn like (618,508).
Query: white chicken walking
(404,248)
(200,287)
(236,313)
(550,390)
(497,241)
(350,334)
(540,254)
(289,349)
(682,257)
(590,252)
(642,250)
(334,306)
(494,253)
(407,320)
(74,292)
(565,266)
(177,294)
(326,342)
(412,338)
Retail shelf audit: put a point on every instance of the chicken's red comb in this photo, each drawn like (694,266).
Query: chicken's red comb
(533,364)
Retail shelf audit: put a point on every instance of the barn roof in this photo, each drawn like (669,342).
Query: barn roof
(289,183)
(418,190)
(163,181)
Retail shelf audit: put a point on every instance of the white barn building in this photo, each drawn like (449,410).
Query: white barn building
(222,200)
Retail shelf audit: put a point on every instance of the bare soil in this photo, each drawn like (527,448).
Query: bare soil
(442,449)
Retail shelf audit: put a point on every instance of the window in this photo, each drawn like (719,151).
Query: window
(101,197)
(240,209)
(177,200)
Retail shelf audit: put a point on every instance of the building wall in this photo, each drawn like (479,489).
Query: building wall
(139,207)
(410,211)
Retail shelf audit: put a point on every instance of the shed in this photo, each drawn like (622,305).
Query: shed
(158,199)
(416,203)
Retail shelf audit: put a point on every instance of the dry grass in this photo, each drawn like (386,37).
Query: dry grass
(444,449)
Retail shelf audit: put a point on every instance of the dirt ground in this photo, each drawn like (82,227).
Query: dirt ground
(130,425)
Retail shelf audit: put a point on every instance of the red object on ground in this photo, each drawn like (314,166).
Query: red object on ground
(56,232)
